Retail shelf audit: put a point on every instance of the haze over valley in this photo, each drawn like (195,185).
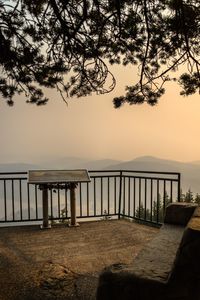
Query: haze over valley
(190,171)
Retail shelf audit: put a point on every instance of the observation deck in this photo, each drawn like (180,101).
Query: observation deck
(64,262)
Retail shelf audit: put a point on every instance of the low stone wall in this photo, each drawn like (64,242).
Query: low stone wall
(168,267)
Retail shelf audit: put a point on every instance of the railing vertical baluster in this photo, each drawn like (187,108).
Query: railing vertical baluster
(80,198)
(115,196)
(13,199)
(124,195)
(145,199)
(36,203)
(108,196)
(58,202)
(120,194)
(5,200)
(66,208)
(139,197)
(171,190)
(20,197)
(51,203)
(101,189)
(134,193)
(88,202)
(94,196)
(179,188)
(129,188)
(164,195)
(151,204)
(158,201)
(28,194)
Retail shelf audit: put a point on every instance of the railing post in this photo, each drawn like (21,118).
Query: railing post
(179,187)
(120,194)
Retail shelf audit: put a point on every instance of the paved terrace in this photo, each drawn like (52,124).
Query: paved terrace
(63,263)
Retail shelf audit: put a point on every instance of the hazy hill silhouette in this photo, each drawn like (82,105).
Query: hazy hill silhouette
(190,171)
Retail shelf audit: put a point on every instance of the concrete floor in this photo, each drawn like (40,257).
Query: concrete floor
(63,262)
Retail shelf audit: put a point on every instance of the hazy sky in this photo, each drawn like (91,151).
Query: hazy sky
(91,128)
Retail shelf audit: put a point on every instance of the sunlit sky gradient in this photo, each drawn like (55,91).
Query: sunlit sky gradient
(91,128)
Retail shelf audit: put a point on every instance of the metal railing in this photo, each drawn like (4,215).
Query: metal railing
(146,194)
(123,194)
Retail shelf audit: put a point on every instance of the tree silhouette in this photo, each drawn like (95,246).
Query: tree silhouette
(197,199)
(158,209)
(142,213)
(189,196)
(68,45)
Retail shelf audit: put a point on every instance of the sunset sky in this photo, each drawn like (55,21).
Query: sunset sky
(91,128)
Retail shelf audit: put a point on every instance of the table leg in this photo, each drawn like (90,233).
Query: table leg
(73,207)
(45,209)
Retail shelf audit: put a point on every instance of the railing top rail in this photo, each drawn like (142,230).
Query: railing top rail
(13,178)
(134,171)
(151,178)
(104,171)
(114,173)
(151,172)
(172,176)
(14,173)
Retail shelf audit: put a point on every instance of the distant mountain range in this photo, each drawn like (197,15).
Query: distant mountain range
(64,163)
(190,172)
(17,167)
